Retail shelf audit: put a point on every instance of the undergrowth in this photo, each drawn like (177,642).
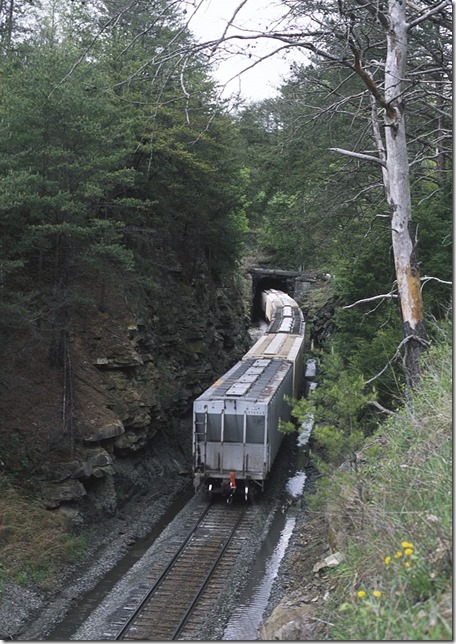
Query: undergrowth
(34,542)
(391,516)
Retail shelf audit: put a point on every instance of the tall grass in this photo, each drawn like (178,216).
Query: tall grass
(34,542)
(395,582)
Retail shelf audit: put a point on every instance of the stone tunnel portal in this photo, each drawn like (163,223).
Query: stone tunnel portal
(295,283)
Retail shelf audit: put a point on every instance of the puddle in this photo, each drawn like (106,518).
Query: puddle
(247,617)
(295,485)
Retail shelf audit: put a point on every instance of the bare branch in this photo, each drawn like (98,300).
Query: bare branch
(428,278)
(396,355)
(371,299)
(428,14)
(373,9)
(380,407)
(359,155)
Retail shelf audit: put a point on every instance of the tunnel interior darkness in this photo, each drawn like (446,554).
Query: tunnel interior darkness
(262,284)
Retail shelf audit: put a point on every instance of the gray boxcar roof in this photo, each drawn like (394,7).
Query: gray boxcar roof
(254,380)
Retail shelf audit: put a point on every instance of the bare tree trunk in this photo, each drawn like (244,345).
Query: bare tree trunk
(398,192)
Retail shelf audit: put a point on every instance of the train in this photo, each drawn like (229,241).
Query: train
(236,434)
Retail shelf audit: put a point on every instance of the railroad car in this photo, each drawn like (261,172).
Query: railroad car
(282,313)
(282,346)
(235,426)
(236,421)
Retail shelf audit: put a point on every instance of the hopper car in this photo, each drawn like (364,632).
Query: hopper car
(282,313)
(282,346)
(236,434)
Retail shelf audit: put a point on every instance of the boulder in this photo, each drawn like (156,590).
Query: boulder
(290,623)
(138,420)
(72,514)
(98,457)
(99,462)
(61,471)
(56,493)
(121,360)
(102,472)
(111,430)
(131,441)
(331,561)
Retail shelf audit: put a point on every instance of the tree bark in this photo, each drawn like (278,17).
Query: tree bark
(398,192)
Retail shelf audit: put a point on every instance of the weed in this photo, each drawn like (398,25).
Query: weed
(34,542)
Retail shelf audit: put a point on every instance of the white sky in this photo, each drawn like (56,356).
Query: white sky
(261,82)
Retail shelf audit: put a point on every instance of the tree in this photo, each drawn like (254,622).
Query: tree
(371,40)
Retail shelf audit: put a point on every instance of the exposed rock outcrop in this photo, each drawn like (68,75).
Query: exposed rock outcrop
(135,374)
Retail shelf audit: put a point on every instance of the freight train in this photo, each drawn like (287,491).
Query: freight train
(236,433)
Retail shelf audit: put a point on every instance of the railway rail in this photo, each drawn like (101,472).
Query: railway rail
(177,602)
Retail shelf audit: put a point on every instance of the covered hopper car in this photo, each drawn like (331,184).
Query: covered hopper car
(236,420)
(282,346)
(282,313)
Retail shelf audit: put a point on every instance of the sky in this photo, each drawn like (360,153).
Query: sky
(260,82)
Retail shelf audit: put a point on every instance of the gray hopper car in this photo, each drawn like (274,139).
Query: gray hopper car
(282,313)
(282,346)
(235,426)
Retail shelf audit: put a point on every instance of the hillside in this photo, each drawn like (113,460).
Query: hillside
(387,517)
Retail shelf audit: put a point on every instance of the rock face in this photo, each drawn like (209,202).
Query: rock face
(290,621)
(134,375)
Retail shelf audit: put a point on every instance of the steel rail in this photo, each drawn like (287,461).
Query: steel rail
(154,587)
(172,565)
(203,586)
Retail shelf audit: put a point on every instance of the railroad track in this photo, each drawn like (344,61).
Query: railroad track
(177,602)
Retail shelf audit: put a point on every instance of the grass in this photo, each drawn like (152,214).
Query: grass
(392,517)
(34,542)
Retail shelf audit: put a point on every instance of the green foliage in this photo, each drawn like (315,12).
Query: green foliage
(433,216)
(337,407)
(317,209)
(284,233)
(98,175)
(395,582)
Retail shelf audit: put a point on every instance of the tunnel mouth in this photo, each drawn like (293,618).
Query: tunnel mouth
(262,284)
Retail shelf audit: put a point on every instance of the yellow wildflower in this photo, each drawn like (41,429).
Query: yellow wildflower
(361,594)
(398,554)
(407,544)
(377,593)
(408,551)
(387,560)
(407,564)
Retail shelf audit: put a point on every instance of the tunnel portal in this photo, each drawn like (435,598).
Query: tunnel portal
(280,284)
(295,283)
